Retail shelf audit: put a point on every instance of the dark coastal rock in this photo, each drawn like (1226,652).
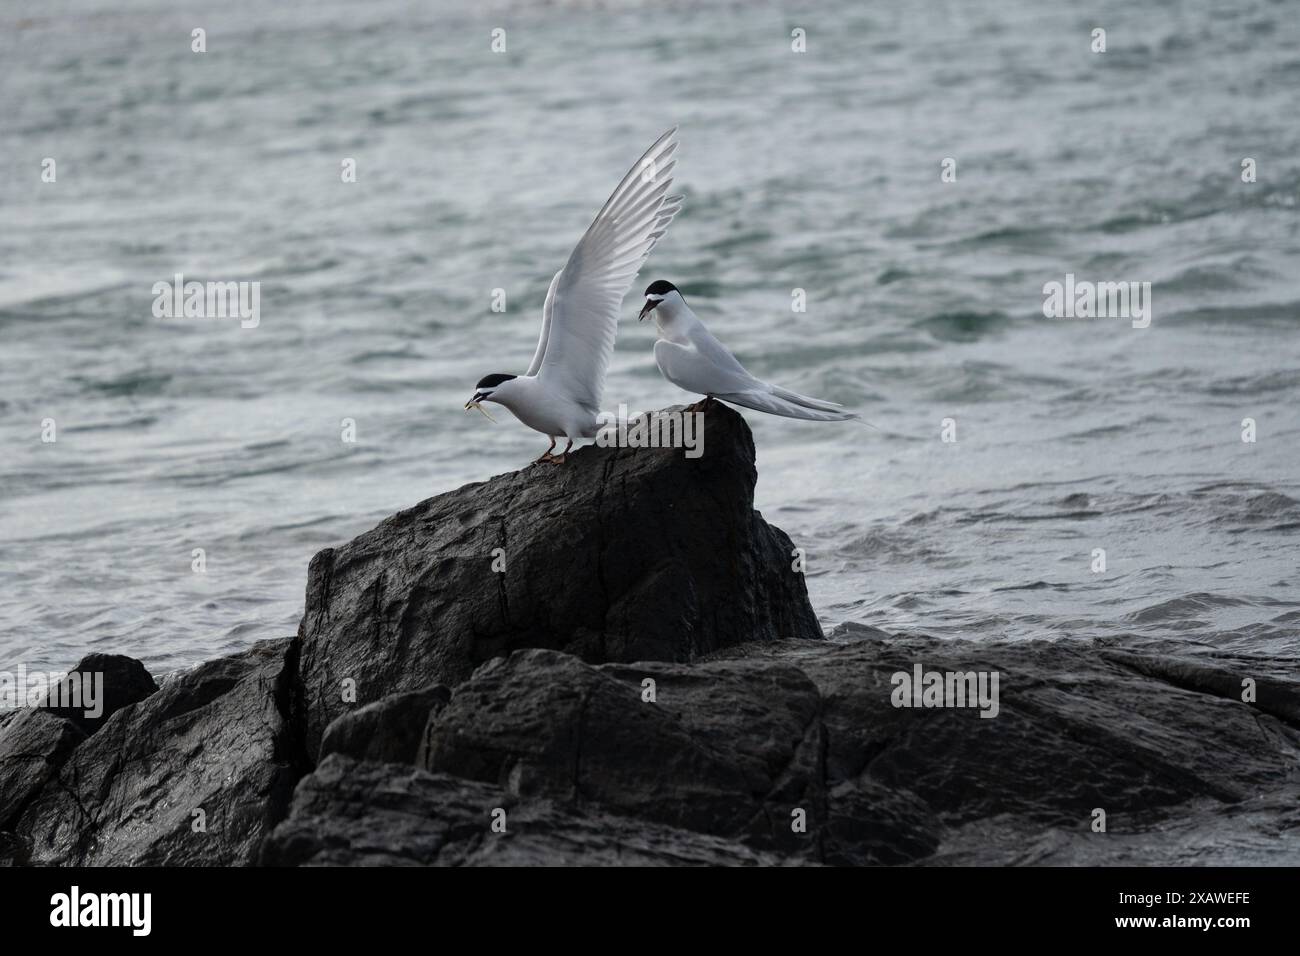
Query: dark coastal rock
(713,762)
(213,739)
(1273,695)
(33,746)
(35,743)
(707,763)
(621,554)
(645,684)
(351,813)
(733,746)
(391,730)
(125,681)
(13,851)
(1075,731)
(729,749)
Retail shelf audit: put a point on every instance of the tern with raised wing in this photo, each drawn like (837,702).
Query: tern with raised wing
(560,393)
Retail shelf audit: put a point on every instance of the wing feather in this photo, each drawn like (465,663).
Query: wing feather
(580,316)
(536,363)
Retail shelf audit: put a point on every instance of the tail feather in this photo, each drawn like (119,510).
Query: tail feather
(775,404)
(804,400)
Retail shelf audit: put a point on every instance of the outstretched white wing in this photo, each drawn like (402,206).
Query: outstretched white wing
(580,316)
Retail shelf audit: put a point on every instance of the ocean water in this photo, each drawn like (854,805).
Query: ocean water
(818,171)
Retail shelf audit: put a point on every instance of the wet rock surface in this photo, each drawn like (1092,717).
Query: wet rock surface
(351,813)
(35,743)
(120,681)
(192,774)
(790,752)
(646,684)
(620,554)
(731,751)
(737,747)
(389,730)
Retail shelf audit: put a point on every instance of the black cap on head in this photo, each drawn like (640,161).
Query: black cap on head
(493,380)
(660,287)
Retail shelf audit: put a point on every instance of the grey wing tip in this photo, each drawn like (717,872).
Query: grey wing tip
(670,134)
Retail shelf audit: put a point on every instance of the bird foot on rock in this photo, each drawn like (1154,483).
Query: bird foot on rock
(563,456)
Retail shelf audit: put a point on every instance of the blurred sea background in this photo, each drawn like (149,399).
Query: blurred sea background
(817,170)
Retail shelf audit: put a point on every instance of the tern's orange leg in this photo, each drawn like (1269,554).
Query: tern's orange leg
(546,455)
(562,456)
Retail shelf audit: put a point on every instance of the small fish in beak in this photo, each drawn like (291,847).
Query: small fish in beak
(475,403)
(648,308)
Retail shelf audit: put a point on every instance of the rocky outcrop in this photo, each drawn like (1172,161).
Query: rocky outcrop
(391,730)
(375,814)
(192,774)
(32,750)
(35,744)
(730,754)
(782,753)
(621,554)
(723,749)
(645,683)
(123,680)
